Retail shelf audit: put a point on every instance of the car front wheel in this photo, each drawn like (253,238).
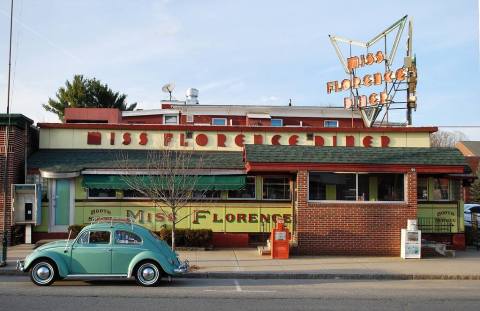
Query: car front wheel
(148,274)
(43,273)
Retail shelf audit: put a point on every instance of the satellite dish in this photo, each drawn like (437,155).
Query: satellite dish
(168,88)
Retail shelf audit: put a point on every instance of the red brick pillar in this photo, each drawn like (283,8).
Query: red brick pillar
(411,190)
(300,207)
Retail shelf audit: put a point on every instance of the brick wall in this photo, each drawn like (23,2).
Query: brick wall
(19,140)
(352,228)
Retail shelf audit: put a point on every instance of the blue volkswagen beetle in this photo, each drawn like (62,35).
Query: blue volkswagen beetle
(105,249)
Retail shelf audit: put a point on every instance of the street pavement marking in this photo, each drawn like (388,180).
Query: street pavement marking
(237,285)
(238,288)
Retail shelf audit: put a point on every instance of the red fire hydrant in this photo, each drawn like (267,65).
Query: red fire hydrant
(279,241)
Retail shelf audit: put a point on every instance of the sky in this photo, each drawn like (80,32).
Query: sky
(238,52)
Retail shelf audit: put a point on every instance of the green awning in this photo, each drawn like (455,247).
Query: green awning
(201,182)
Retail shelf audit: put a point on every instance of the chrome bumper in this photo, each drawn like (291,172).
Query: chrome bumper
(20,265)
(182,268)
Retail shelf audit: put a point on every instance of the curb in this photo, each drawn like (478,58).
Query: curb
(327,276)
(303,276)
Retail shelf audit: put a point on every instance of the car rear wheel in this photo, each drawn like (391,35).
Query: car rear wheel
(148,274)
(43,273)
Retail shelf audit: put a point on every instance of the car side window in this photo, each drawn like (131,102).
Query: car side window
(126,237)
(99,237)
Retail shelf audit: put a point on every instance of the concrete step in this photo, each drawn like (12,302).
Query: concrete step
(436,249)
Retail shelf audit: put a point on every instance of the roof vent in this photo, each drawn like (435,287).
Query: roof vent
(192,96)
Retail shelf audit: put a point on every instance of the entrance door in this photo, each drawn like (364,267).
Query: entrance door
(60,208)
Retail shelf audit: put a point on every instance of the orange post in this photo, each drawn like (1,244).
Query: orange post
(279,241)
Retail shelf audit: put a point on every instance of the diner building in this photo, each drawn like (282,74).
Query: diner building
(341,188)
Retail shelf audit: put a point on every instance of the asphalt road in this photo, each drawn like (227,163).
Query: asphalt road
(18,293)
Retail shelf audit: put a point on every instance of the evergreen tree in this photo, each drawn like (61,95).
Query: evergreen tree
(86,93)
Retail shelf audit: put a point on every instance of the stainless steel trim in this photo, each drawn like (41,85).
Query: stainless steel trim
(183,267)
(20,265)
(95,276)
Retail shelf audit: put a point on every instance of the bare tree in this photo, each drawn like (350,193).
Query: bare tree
(475,189)
(168,177)
(446,139)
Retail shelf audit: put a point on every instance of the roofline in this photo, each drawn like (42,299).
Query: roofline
(235,128)
(352,167)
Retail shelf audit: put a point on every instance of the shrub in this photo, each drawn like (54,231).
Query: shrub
(187,237)
(75,230)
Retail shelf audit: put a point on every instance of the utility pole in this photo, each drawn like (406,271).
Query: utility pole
(3,259)
(411,76)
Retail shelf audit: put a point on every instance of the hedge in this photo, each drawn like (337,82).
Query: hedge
(187,237)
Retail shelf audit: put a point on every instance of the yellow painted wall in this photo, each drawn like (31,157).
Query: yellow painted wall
(218,216)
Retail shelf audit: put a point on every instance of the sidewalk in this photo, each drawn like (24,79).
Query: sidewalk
(247,263)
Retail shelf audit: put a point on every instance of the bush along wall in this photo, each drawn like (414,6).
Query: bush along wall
(75,230)
(187,237)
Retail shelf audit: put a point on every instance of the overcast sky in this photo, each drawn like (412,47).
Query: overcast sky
(236,52)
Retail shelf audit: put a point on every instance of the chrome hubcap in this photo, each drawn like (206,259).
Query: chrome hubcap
(43,272)
(148,274)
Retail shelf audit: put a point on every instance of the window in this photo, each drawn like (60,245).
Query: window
(330,123)
(94,237)
(440,189)
(206,194)
(276,188)
(247,193)
(332,186)
(126,237)
(101,193)
(99,237)
(277,122)
(422,188)
(356,187)
(130,193)
(170,119)
(189,118)
(219,121)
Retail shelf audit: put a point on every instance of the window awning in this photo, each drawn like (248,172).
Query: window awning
(201,182)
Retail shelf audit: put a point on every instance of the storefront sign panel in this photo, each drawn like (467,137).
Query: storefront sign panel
(218,219)
(221,141)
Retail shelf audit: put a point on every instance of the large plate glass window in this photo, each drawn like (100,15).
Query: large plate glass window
(206,194)
(440,189)
(133,194)
(355,187)
(276,188)
(422,188)
(247,193)
(101,193)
